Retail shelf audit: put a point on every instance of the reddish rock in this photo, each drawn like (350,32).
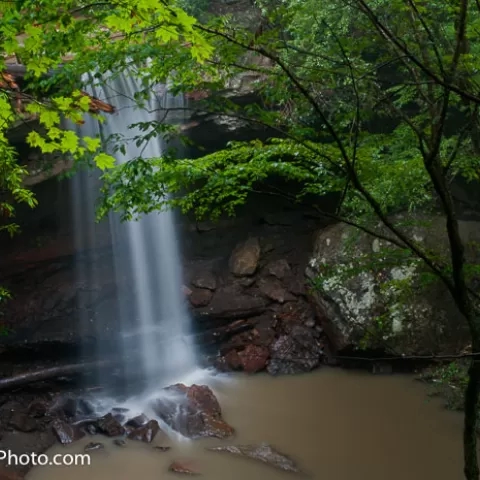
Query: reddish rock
(192,411)
(23,422)
(244,259)
(184,467)
(233,360)
(254,358)
(279,268)
(186,291)
(109,426)
(200,297)
(145,433)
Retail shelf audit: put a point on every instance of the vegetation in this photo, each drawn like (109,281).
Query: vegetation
(375,101)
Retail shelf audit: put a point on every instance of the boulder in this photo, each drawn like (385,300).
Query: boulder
(231,302)
(23,422)
(146,433)
(297,352)
(110,426)
(263,453)
(200,297)
(66,433)
(205,279)
(137,422)
(92,446)
(192,411)
(370,295)
(254,358)
(279,268)
(274,290)
(244,259)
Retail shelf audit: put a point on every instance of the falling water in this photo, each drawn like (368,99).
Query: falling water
(153,336)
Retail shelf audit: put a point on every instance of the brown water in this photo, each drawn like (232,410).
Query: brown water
(336,425)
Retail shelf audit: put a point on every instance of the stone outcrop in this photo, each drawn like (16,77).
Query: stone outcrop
(192,411)
(390,306)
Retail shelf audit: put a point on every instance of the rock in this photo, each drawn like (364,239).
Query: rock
(119,418)
(192,411)
(91,429)
(264,453)
(186,291)
(92,446)
(138,421)
(145,433)
(233,360)
(109,426)
(274,290)
(244,259)
(231,302)
(66,405)
(279,268)
(206,280)
(38,408)
(66,433)
(200,297)
(422,321)
(84,407)
(254,358)
(162,449)
(183,467)
(22,422)
(295,353)
(119,442)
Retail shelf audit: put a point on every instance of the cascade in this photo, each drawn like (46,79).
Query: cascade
(151,334)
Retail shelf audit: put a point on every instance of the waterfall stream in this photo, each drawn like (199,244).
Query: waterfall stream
(154,323)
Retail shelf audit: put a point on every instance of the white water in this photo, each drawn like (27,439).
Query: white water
(154,322)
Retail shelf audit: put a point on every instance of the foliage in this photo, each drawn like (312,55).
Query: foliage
(102,37)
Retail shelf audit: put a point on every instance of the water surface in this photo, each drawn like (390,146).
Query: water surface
(336,425)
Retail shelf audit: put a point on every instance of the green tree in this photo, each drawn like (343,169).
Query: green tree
(337,69)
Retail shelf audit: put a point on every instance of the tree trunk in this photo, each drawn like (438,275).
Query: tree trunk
(471,419)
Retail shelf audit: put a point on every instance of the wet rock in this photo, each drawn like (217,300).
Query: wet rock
(184,467)
(233,360)
(92,446)
(162,449)
(232,302)
(138,421)
(279,268)
(274,290)
(297,352)
(145,433)
(66,433)
(200,297)
(263,453)
(84,407)
(91,429)
(186,291)
(119,442)
(109,426)
(244,259)
(119,417)
(66,405)
(254,358)
(205,280)
(38,408)
(192,411)
(22,422)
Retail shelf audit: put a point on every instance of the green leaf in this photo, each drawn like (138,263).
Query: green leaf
(104,161)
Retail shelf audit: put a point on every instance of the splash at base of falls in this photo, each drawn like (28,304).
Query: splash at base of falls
(152,330)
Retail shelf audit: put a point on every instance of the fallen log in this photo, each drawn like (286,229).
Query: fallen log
(26,378)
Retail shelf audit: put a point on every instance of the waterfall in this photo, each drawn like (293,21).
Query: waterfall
(151,333)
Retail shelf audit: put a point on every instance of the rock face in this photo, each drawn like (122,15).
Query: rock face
(263,453)
(192,411)
(388,305)
(297,352)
